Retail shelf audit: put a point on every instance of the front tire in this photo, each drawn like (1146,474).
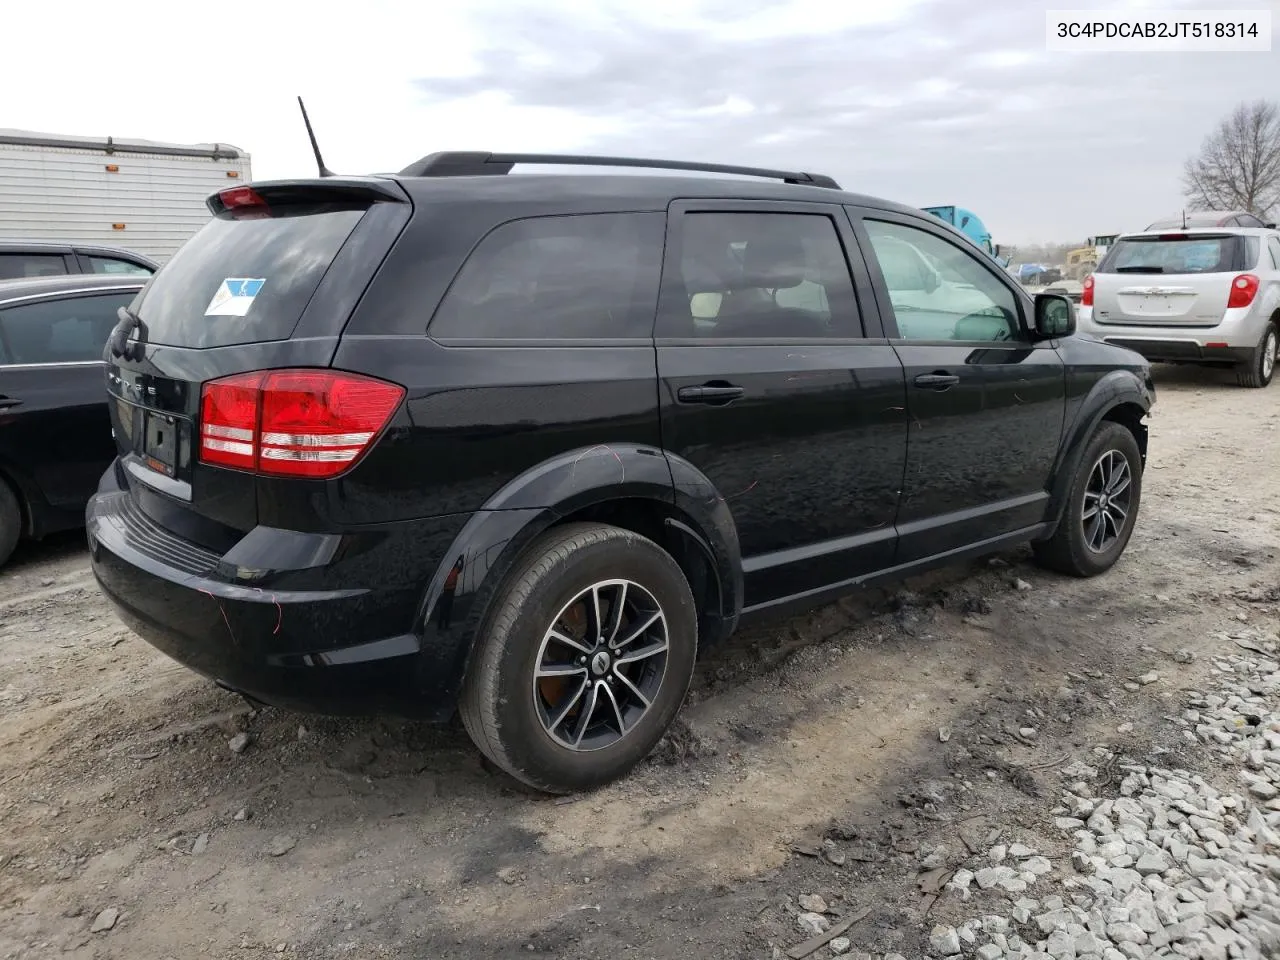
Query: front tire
(1258,370)
(1101,509)
(584,659)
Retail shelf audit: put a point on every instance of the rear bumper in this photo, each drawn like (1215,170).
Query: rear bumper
(1229,342)
(319,640)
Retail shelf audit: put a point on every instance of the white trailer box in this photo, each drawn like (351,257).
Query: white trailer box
(137,194)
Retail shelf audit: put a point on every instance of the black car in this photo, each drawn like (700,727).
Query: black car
(55,434)
(21,260)
(519,445)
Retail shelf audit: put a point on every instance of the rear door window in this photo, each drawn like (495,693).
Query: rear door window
(1178,254)
(245,280)
(584,276)
(15,266)
(65,330)
(763,275)
(114,265)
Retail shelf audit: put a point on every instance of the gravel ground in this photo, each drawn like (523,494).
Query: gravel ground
(988,762)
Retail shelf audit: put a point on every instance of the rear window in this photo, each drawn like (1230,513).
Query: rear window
(1182,254)
(244,280)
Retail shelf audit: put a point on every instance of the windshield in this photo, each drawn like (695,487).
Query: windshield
(244,280)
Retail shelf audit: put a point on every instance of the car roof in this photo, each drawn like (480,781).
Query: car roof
(1198,231)
(46,246)
(631,191)
(67,283)
(1201,218)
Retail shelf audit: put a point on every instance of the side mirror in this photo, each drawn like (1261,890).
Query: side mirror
(1055,316)
(1270,226)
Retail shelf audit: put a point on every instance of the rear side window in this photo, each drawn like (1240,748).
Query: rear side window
(588,276)
(1273,246)
(114,265)
(762,275)
(1180,254)
(244,280)
(15,266)
(69,330)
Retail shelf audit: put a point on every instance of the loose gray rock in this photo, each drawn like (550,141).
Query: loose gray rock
(944,941)
(840,945)
(239,743)
(1021,586)
(812,903)
(1183,656)
(989,951)
(1028,733)
(944,734)
(812,924)
(242,814)
(201,845)
(105,920)
(280,845)
(1153,862)
(1149,678)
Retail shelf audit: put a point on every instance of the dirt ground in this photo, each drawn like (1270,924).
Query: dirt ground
(883,725)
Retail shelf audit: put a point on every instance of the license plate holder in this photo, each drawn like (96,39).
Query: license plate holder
(159,447)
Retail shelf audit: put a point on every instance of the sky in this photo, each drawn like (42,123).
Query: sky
(920,101)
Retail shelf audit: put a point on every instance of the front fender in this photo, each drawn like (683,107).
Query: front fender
(1115,390)
(458,597)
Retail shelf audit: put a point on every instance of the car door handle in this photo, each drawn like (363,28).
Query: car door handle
(938,380)
(711,393)
(8,403)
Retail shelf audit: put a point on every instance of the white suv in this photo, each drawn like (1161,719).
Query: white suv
(1198,295)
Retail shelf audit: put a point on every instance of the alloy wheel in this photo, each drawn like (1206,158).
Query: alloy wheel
(1107,498)
(601,664)
(1269,348)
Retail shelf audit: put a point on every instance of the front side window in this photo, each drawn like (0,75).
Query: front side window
(113,265)
(17,266)
(67,330)
(767,275)
(585,276)
(938,291)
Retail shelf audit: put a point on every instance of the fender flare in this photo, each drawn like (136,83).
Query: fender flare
(1116,389)
(457,599)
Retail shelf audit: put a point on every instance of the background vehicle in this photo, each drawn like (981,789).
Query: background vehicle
(26,260)
(55,433)
(617,416)
(972,227)
(1207,295)
(147,196)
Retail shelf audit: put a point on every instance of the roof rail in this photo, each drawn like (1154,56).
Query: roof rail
(457,163)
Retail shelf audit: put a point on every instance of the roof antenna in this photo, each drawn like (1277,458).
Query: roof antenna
(1184,213)
(315,147)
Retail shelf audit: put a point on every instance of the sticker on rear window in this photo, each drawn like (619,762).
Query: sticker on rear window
(234,297)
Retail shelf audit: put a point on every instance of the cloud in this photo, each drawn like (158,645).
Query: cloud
(925,102)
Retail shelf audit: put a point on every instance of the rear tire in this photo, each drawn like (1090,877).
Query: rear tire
(10,521)
(1258,370)
(1108,483)
(555,649)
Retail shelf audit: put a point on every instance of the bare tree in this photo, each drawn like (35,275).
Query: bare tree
(1238,167)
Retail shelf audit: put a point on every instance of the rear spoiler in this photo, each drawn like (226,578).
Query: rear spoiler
(289,192)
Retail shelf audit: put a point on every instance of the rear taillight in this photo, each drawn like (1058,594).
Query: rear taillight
(1243,289)
(1086,295)
(293,423)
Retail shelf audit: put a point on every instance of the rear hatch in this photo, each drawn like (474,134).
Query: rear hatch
(266,285)
(1170,279)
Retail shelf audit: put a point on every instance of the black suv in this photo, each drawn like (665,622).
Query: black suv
(518,445)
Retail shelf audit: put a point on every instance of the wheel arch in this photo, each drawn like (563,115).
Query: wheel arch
(641,489)
(1120,397)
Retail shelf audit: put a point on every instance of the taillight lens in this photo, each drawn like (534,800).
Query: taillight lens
(1086,295)
(1243,289)
(293,423)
